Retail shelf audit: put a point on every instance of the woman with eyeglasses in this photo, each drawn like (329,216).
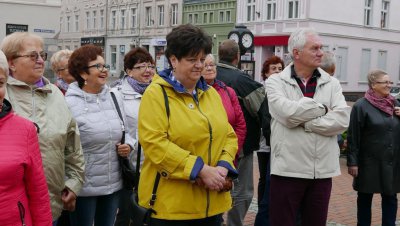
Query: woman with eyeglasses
(101,130)
(59,65)
(191,146)
(229,100)
(24,195)
(374,149)
(139,68)
(35,98)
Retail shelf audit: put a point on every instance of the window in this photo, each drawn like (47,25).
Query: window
(123,16)
(228,16)
(293,9)
(271,9)
(196,18)
(113,58)
(102,18)
(61,22)
(68,27)
(161,15)
(365,63)
(211,20)
(221,17)
(204,18)
(148,16)
(384,13)
(341,63)
(76,22)
(190,18)
(133,18)
(382,57)
(251,8)
(87,20)
(368,12)
(113,19)
(94,19)
(174,13)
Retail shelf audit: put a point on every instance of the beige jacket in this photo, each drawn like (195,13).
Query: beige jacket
(303,137)
(59,139)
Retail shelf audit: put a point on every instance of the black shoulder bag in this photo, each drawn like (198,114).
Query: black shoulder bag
(142,216)
(127,173)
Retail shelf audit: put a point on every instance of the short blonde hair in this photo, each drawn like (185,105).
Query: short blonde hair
(373,76)
(58,57)
(3,63)
(12,44)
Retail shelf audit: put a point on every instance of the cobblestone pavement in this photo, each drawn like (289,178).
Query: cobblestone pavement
(342,205)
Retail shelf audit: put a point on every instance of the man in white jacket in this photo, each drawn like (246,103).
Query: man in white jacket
(308,111)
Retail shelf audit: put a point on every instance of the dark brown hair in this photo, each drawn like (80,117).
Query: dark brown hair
(269,61)
(136,55)
(79,61)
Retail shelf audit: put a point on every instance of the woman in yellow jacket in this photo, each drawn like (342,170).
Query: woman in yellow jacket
(193,147)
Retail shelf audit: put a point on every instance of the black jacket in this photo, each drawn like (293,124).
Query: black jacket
(252,100)
(374,146)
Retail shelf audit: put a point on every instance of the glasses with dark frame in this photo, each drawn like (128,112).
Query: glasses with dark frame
(385,82)
(100,67)
(34,56)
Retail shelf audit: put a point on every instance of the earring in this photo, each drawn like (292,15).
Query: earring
(85,83)
(173,69)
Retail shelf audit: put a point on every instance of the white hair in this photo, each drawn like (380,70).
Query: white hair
(3,63)
(212,57)
(298,39)
(328,60)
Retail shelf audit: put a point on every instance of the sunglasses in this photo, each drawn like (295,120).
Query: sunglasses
(34,55)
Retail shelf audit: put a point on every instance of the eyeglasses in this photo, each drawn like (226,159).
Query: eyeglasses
(385,82)
(34,55)
(100,67)
(144,67)
(209,65)
(62,69)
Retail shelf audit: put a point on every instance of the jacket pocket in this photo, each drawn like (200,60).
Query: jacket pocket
(21,210)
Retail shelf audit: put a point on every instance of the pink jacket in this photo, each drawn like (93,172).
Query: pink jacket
(23,187)
(233,110)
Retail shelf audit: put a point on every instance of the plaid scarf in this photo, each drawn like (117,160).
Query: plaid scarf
(139,87)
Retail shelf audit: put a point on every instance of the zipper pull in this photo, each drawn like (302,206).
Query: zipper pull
(97,100)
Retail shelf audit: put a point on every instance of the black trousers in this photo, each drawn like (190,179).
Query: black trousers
(209,221)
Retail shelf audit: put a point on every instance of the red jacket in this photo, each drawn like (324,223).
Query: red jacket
(22,179)
(233,110)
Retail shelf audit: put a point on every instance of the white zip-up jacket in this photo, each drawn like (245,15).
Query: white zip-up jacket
(303,137)
(101,129)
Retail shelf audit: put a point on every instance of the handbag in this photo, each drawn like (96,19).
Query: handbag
(127,173)
(142,216)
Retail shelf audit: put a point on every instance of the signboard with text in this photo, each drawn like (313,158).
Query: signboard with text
(11,28)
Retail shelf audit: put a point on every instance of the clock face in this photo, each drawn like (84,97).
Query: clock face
(234,37)
(247,40)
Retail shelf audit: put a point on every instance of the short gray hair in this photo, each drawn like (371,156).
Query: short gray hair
(3,63)
(212,57)
(58,57)
(328,60)
(373,75)
(298,39)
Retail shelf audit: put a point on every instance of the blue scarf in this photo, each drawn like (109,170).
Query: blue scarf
(139,87)
(61,84)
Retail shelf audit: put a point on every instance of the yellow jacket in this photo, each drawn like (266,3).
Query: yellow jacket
(194,133)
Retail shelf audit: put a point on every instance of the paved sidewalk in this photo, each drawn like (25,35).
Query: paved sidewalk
(342,205)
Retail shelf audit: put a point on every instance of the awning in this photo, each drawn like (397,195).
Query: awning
(271,40)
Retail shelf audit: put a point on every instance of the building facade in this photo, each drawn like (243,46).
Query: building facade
(363,34)
(34,16)
(119,25)
(216,17)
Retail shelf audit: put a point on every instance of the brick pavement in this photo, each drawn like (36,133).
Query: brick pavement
(342,206)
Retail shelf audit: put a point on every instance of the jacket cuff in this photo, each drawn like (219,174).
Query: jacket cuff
(73,185)
(232,173)
(198,166)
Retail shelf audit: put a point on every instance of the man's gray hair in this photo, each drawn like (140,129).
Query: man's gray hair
(298,39)
(328,60)
(3,63)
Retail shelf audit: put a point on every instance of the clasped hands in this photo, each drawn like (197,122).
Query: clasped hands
(214,178)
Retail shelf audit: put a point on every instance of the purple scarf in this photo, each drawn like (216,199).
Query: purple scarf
(139,87)
(385,104)
(61,84)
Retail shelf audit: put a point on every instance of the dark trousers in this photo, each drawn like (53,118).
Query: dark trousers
(262,217)
(263,162)
(209,221)
(64,219)
(389,209)
(288,194)
(124,210)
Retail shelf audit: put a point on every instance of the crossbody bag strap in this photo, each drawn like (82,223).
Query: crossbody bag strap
(120,116)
